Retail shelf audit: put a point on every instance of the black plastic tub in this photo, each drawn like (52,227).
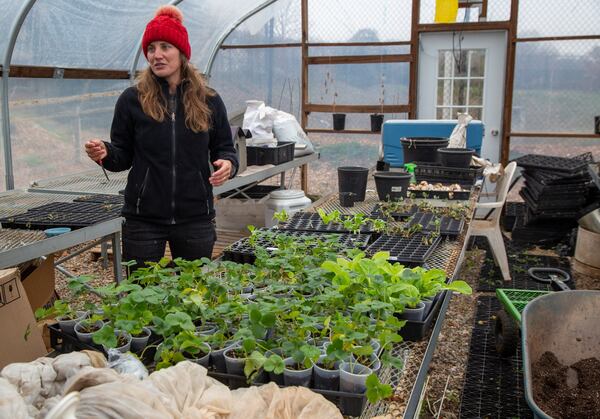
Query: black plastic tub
(392,185)
(261,155)
(455,157)
(353,179)
(414,331)
(422,149)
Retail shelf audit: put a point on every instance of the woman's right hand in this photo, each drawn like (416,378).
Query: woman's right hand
(96,150)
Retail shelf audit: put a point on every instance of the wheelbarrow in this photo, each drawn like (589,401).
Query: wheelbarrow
(506,328)
(564,323)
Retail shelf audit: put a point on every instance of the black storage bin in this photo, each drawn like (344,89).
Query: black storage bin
(259,156)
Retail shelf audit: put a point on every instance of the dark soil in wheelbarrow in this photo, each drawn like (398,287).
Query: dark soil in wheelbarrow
(561,393)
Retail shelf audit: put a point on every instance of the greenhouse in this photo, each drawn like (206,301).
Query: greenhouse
(299,208)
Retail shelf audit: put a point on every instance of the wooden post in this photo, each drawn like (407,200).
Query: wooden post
(509,81)
(304,178)
(414,62)
(304,97)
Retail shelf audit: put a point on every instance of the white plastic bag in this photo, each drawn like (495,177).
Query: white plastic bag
(287,128)
(458,138)
(258,119)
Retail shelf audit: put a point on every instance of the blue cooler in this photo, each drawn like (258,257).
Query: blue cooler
(396,129)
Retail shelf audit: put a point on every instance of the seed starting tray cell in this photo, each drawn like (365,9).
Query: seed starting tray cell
(448,226)
(101,198)
(43,220)
(79,207)
(310,221)
(404,249)
(560,164)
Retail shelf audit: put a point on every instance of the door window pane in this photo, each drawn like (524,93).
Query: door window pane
(477,62)
(460,92)
(444,91)
(476,92)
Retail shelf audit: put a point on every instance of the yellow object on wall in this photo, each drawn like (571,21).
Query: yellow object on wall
(446,11)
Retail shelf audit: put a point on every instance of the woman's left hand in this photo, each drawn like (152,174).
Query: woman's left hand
(222,174)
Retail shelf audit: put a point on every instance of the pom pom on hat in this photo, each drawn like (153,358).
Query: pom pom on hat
(167,26)
(171,11)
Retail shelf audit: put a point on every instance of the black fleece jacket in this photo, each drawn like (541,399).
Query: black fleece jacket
(168,180)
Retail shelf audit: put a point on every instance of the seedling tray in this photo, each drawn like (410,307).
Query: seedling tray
(282,153)
(550,204)
(448,225)
(537,188)
(408,250)
(101,198)
(554,163)
(350,404)
(452,195)
(79,207)
(433,173)
(377,213)
(310,221)
(414,331)
(554,178)
(65,343)
(242,252)
(42,220)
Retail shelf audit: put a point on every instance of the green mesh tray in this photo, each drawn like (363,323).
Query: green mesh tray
(514,301)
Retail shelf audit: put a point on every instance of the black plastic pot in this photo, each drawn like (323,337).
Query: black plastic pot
(376,122)
(353,179)
(597,125)
(455,157)
(422,149)
(347,199)
(339,121)
(392,185)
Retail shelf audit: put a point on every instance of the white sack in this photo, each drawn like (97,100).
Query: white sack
(258,119)
(287,128)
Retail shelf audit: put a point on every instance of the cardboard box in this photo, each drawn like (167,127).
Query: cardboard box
(21,338)
(39,284)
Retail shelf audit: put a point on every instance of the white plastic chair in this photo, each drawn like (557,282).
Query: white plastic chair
(490,227)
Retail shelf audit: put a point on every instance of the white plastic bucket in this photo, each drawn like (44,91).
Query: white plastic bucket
(291,201)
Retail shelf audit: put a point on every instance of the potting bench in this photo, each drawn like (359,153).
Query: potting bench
(18,245)
(409,382)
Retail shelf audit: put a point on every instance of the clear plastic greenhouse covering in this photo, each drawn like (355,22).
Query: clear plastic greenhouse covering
(104,34)
(52,118)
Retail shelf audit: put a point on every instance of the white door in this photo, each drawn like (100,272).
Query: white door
(464,71)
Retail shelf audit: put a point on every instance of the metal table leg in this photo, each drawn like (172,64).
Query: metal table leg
(116,246)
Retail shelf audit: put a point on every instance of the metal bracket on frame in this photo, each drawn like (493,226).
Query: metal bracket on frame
(59,73)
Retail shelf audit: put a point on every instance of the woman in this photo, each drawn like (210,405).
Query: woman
(166,128)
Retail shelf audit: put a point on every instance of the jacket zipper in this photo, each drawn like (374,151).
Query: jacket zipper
(142,189)
(173,151)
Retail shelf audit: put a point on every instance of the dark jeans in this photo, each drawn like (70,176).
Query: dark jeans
(145,242)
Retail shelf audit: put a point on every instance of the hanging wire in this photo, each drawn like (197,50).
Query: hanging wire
(457,52)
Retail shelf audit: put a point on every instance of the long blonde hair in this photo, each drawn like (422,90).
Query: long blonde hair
(197,111)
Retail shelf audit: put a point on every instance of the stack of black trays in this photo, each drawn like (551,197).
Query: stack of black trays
(556,192)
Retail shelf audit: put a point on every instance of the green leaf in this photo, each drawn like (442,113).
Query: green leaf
(395,362)
(105,336)
(274,363)
(459,286)
(376,390)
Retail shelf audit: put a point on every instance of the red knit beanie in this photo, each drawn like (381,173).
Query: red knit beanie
(167,26)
